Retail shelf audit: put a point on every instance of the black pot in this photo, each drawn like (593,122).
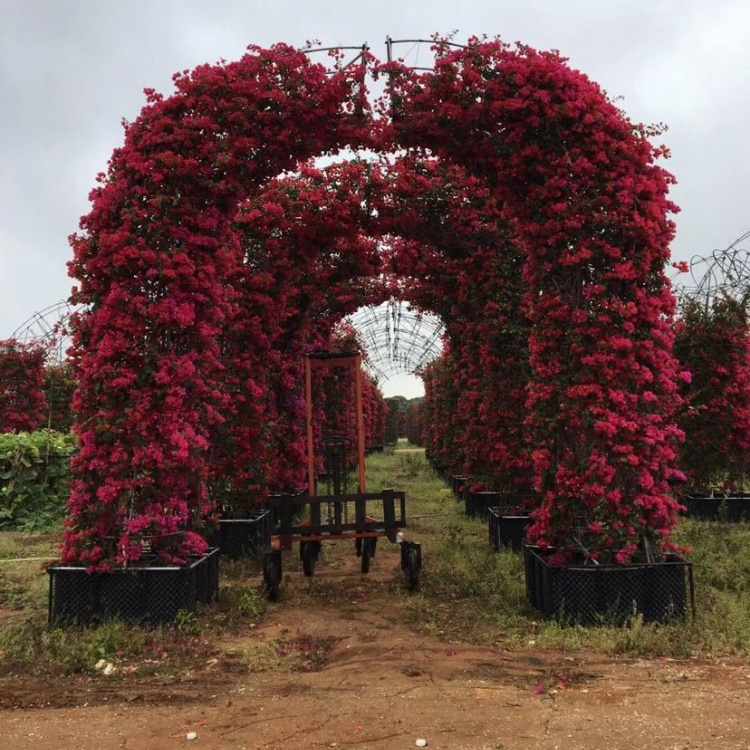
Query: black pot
(591,594)
(140,593)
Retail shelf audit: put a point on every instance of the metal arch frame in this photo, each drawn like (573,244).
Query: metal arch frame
(398,339)
(724,272)
(390,43)
(47,325)
(363,49)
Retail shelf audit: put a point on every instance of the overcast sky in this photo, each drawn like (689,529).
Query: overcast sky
(70,70)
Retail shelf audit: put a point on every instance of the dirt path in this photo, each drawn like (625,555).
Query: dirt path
(368,681)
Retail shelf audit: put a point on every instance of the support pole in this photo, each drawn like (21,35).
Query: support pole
(360,422)
(310,456)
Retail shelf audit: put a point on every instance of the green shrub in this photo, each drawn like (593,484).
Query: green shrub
(34,479)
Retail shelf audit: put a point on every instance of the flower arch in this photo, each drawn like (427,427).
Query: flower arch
(192,269)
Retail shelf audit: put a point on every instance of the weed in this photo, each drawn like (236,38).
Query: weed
(69,650)
(187,623)
(239,568)
(250,603)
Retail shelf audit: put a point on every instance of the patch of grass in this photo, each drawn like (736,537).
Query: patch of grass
(298,653)
(23,582)
(22,586)
(31,645)
(239,606)
(27,642)
(17,545)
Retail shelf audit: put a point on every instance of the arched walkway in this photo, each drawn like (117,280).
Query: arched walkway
(514,201)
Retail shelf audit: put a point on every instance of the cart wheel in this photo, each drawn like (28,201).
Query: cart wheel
(411,563)
(309,553)
(272,575)
(366,554)
(412,569)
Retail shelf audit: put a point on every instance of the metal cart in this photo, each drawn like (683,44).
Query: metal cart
(338,514)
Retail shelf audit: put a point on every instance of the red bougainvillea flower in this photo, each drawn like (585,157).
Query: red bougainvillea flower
(587,206)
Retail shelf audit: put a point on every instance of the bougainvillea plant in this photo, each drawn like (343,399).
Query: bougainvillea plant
(455,257)
(712,341)
(152,263)
(395,419)
(22,401)
(415,424)
(303,250)
(523,207)
(584,199)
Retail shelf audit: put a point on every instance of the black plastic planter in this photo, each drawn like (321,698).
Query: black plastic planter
(476,504)
(207,577)
(731,506)
(245,537)
(457,483)
(507,530)
(141,593)
(590,594)
(440,469)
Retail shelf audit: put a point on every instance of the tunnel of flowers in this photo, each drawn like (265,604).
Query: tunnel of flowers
(501,191)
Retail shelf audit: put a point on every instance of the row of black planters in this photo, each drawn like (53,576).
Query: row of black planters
(507,525)
(152,593)
(720,506)
(582,594)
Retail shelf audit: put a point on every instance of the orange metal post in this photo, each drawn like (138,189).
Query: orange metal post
(360,422)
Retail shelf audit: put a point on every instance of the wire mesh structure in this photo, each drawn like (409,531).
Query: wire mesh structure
(417,54)
(723,272)
(48,327)
(398,338)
